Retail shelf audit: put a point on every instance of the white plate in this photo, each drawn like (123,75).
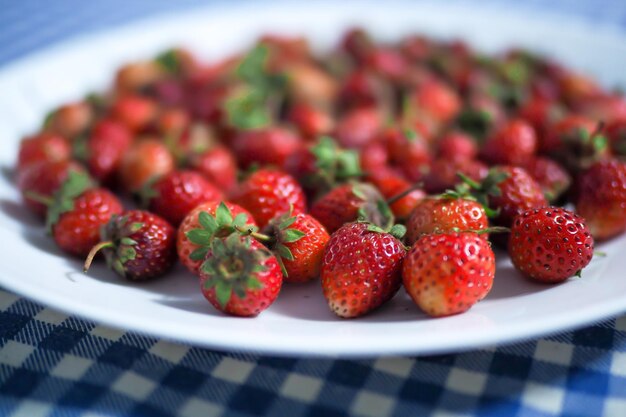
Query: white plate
(299,323)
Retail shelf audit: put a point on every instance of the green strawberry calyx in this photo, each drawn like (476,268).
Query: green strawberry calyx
(373,209)
(63,199)
(334,165)
(220,225)
(233,267)
(479,191)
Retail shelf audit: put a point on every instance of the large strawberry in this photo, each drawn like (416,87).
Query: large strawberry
(239,276)
(601,198)
(138,245)
(550,244)
(361,269)
(268,193)
(177,193)
(202,224)
(448,273)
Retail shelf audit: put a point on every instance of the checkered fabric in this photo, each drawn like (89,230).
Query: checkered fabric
(52,364)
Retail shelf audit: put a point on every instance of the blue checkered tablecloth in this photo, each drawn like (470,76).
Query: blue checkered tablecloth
(59,365)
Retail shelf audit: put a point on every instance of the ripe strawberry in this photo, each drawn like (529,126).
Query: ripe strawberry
(108,142)
(202,224)
(363,88)
(361,269)
(347,202)
(387,62)
(70,120)
(44,147)
(217,165)
(436,100)
(408,149)
(138,245)
(601,198)
(134,111)
(550,175)
(358,127)
(174,195)
(239,276)
(43,179)
(144,161)
(268,193)
(270,146)
(445,214)
(457,145)
(172,121)
(374,156)
(443,173)
(310,121)
(513,143)
(448,273)
(616,131)
(541,113)
(401,195)
(77,212)
(550,244)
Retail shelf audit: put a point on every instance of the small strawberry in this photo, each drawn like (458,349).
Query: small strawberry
(144,161)
(550,175)
(436,100)
(550,244)
(361,269)
(77,212)
(44,147)
(138,245)
(268,193)
(174,195)
(108,142)
(409,150)
(457,145)
(513,143)
(358,127)
(363,88)
(443,174)
(134,111)
(448,273)
(70,120)
(269,146)
(601,200)
(310,121)
(217,165)
(202,224)
(401,195)
(239,276)
(445,214)
(616,131)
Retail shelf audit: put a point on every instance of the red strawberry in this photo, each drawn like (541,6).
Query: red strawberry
(448,273)
(43,179)
(361,269)
(457,146)
(44,147)
(173,121)
(202,224)
(144,161)
(217,165)
(550,175)
(374,157)
(75,216)
(363,88)
(310,121)
(436,100)
(268,193)
(174,195)
(107,144)
(137,245)
(444,215)
(239,276)
(542,114)
(401,195)
(550,244)
(616,131)
(358,127)
(443,173)
(387,62)
(135,111)
(409,151)
(601,200)
(70,120)
(514,143)
(270,146)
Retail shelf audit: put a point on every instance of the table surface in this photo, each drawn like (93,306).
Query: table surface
(55,364)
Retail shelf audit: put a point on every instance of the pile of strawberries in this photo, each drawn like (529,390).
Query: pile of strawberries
(373,167)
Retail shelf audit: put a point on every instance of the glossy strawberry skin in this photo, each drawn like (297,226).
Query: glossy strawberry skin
(514,143)
(134,111)
(255,301)
(339,206)
(184,246)
(270,146)
(179,192)
(457,146)
(307,251)
(44,147)
(447,274)
(550,244)
(106,146)
(360,270)
(518,192)
(444,215)
(218,166)
(155,247)
(550,175)
(145,160)
(601,198)
(392,184)
(268,193)
(78,230)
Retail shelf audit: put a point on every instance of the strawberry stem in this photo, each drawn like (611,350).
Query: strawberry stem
(40,198)
(94,251)
(403,194)
(250,232)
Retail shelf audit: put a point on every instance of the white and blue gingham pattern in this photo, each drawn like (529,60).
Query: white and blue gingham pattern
(58,365)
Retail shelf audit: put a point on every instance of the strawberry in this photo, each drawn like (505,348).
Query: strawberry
(374,157)
(108,142)
(268,193)
(401,195)
(436,100)
(239,276)
(217,165)
(202,224)
(361,269)
(44,147)
(43,179)
(310,121)
(358,127)
(550,175)
(513,143)
(347,202)
(175,194)
(457,145)
(481,115)
(363,88)
(173,121)
(616,131)
(448,273)
(134,111)
(70,120)
(387,62)
(409,150)
(77,212)
(445,214)
(601,198)
(144,161)
(269,146)
(138,245)
(443,173)
(550,244)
